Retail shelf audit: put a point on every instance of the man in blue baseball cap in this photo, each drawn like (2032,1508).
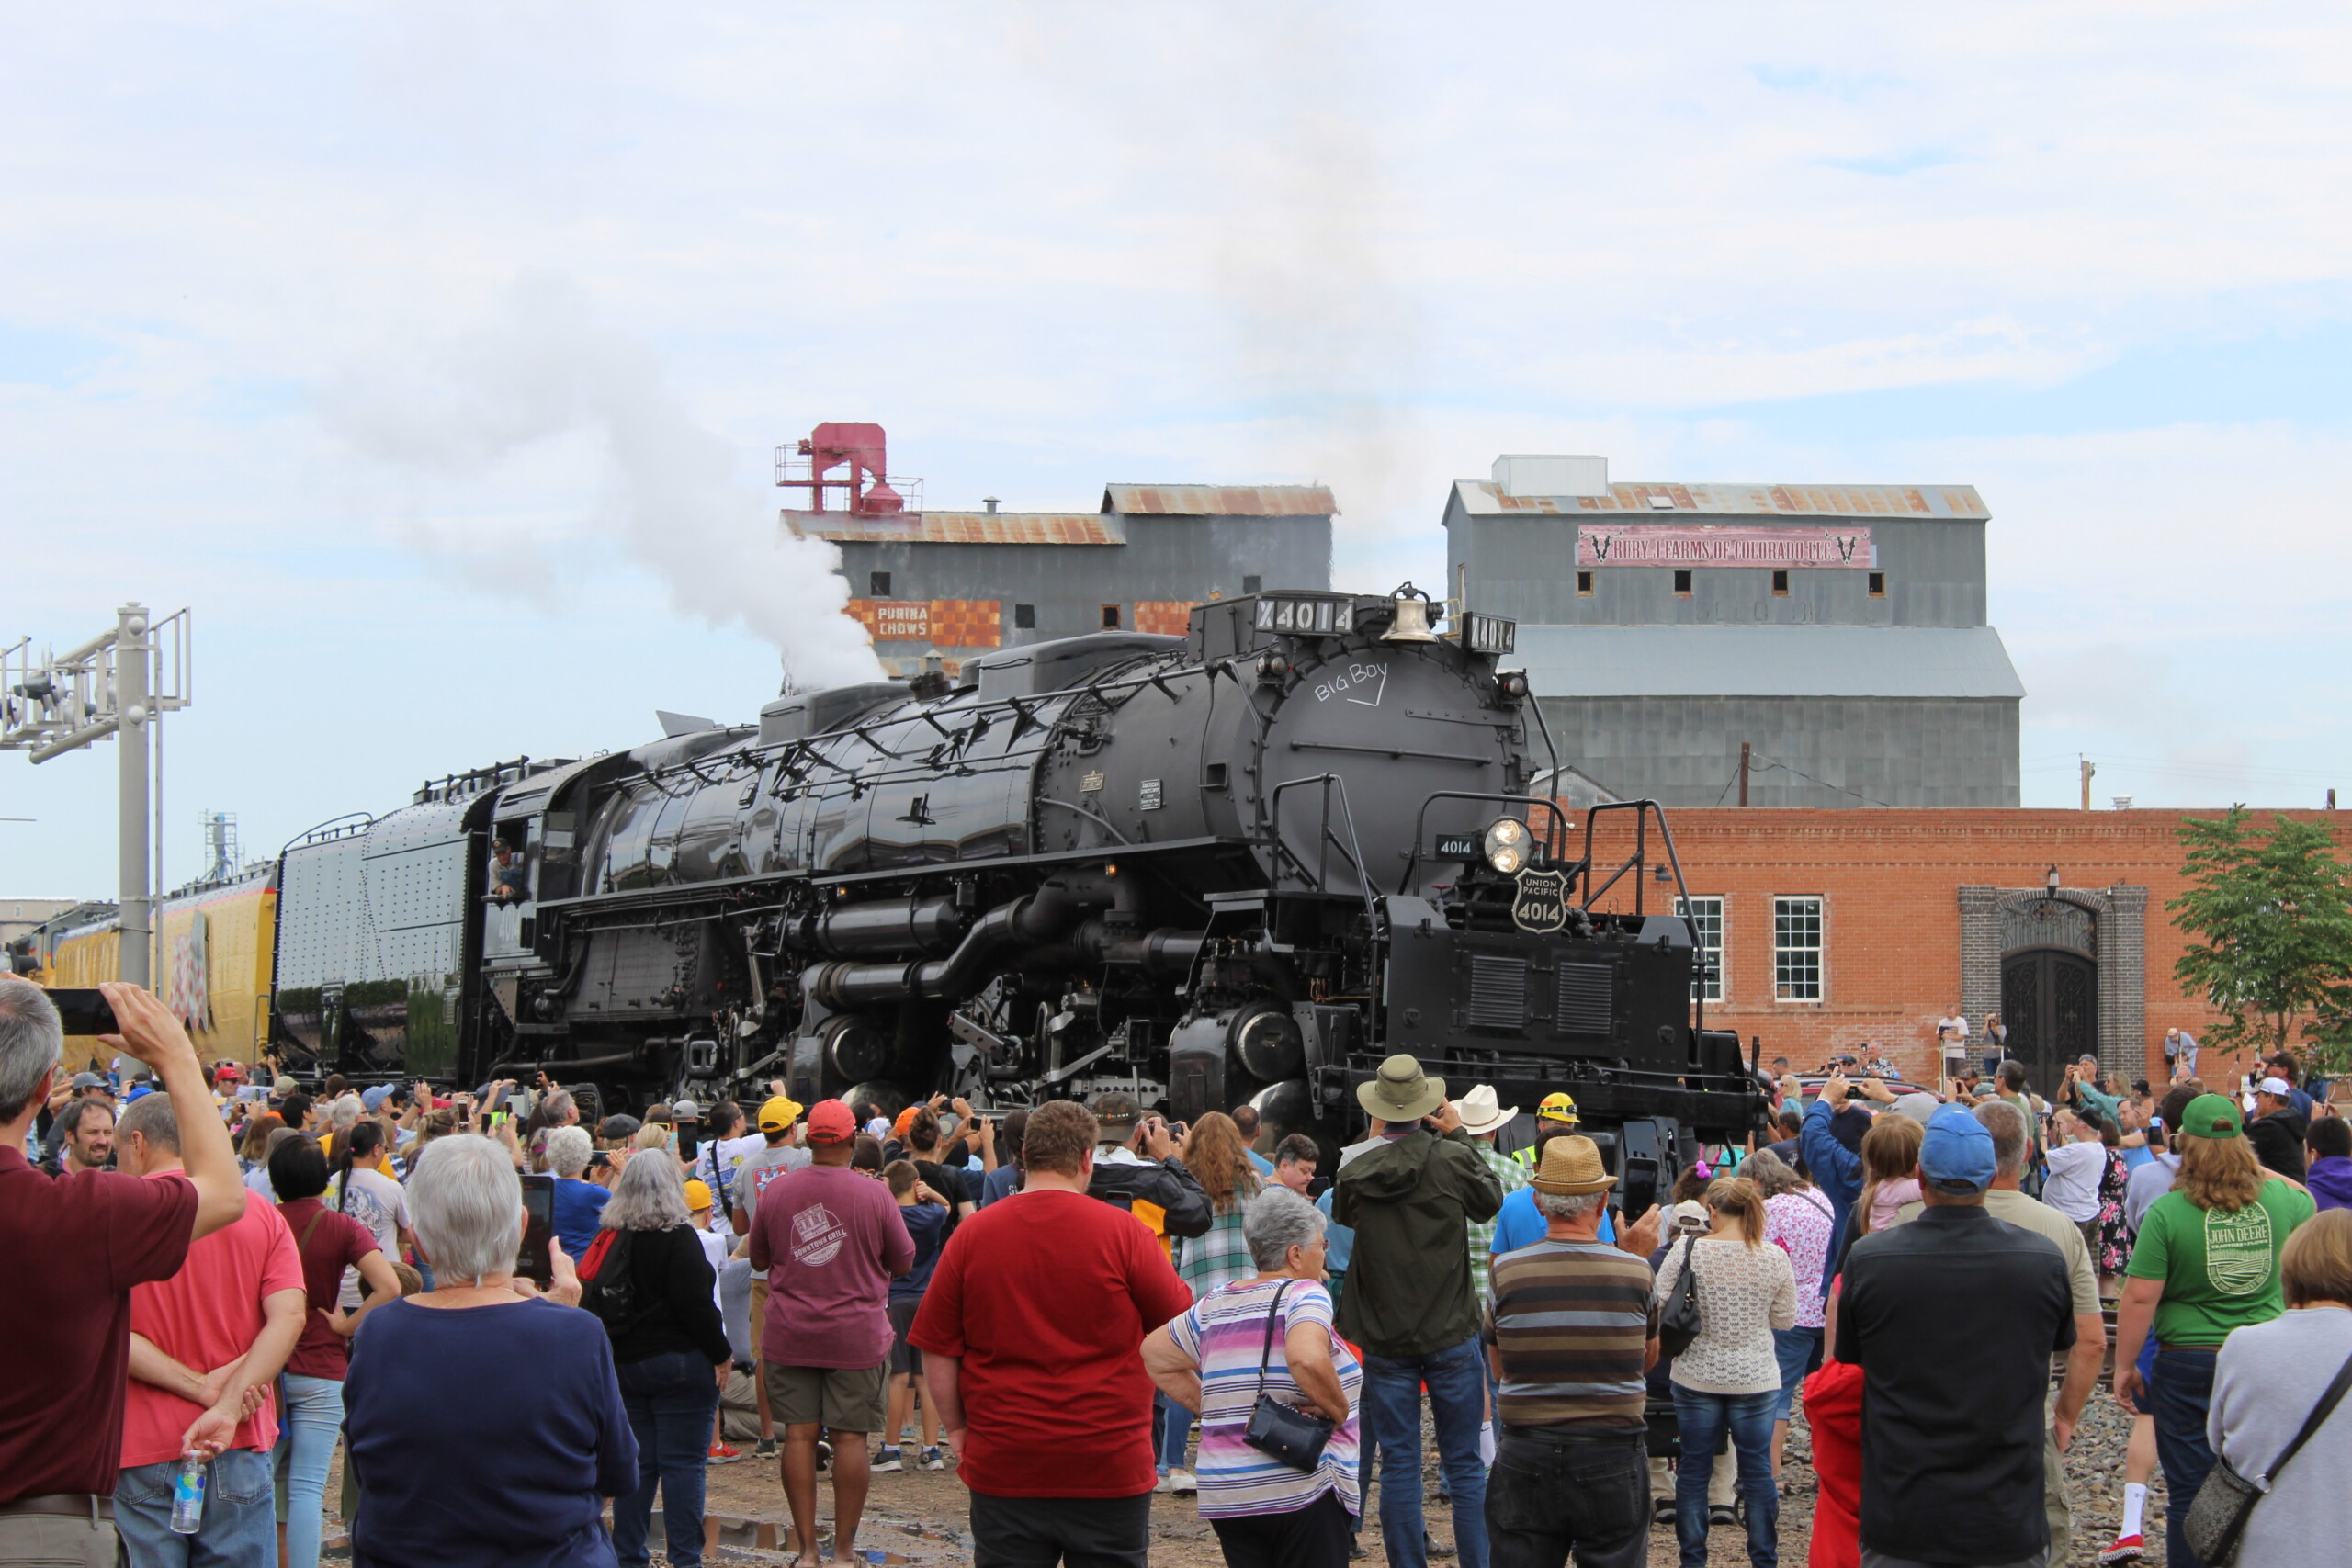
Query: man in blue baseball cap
(1953,1465)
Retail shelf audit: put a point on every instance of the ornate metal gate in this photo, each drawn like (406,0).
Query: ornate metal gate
(2050,1001)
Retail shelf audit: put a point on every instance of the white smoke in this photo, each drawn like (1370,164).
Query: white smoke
(540,368)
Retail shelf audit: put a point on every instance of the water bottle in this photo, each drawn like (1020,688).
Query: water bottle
(187,1496)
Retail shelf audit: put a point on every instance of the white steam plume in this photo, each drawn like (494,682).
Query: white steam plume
(542,368)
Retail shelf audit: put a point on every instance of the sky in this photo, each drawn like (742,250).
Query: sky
(433,356)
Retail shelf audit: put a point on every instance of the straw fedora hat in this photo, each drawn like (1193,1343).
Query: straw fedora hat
(1399,1093)
(1571,1168)
(1480,1113)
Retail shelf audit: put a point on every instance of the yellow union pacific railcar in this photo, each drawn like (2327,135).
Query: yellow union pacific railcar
(213,943)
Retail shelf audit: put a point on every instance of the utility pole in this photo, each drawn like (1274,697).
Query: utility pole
(1743,772)
(115,684)
(2090,770)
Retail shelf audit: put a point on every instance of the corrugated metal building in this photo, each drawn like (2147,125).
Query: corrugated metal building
(1839,630)
(957,583)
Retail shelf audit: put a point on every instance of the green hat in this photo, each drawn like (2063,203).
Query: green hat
(2210,1116)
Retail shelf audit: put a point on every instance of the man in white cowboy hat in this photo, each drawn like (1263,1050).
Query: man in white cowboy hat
(1410,1305)
(1571,1396)
(1482,1119)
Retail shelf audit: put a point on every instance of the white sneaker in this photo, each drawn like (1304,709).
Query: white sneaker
(1182,1482)
(1165,1485)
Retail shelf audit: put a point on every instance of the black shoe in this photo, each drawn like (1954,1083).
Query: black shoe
(1662,1511)
(1722,1516)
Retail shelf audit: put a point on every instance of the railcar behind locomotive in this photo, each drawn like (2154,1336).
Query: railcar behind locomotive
(1239,866)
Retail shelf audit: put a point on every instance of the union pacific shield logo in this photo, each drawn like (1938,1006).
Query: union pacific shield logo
(1542,902)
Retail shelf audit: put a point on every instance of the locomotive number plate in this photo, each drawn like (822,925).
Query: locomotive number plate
(1334,617)
(1542,902)
(1459,846)
(1490,634)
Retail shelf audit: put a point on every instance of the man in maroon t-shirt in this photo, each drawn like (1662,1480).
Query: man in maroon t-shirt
(832,1240)
(1032,1334)
(95,1234)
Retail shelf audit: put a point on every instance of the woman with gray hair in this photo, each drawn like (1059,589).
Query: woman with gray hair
(483,1419)
(578,1202)
(1217,1359)
(650,1281)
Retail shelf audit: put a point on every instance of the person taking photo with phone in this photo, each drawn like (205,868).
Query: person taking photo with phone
(98,1233)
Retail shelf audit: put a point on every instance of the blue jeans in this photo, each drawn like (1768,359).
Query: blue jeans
(1171,1424)
(670,1399)
(1391,1400)
(1702,1417)
(1798,1351)
(2182,1396)
(240,1528)
(305,1449)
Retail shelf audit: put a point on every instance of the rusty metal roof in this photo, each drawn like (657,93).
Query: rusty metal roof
(959,528)
(1222,500)
(1481,497)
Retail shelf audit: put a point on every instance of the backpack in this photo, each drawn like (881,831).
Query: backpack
(611,1292)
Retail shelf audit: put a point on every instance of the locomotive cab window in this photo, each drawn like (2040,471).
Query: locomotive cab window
(877,584)
(1110,618)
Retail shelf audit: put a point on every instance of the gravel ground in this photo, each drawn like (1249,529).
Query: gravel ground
(918,1517)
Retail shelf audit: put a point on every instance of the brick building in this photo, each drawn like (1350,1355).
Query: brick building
(1836,928)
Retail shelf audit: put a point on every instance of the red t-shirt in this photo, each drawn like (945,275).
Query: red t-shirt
(1047,1296)
(832,1240)
(75,1246)
(207,1315)
(338,1243)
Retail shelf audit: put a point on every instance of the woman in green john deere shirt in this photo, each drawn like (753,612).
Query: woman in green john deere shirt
(2207,1262)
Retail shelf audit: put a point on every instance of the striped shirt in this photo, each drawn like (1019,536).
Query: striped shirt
(1513,1176)
(1225,1334)
(1571,1320)
(1218,1258)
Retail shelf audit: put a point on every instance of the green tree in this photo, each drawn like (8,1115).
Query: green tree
(2270,923)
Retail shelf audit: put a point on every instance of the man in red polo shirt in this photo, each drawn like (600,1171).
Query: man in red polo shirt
(77,1243)
(215,1334)
(1032,1337)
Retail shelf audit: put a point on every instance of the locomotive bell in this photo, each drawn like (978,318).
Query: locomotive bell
(1411,621)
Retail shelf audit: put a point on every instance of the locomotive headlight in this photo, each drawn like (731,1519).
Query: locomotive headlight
(1507,845)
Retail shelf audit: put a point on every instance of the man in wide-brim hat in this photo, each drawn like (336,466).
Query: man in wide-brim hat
(1410,1302)
(1482,1118)
(1571,1396)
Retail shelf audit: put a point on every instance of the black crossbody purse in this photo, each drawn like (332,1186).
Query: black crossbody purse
(1283,1431)
(2217,1516)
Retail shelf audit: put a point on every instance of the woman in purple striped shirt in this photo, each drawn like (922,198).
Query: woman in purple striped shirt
(1216,1359)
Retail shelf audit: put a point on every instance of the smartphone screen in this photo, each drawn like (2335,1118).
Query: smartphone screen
(534,1263)
(84,1011)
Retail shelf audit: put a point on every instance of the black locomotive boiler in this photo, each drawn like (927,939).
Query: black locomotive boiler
(1239,866)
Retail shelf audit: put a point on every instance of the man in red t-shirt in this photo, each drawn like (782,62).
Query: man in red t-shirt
(832,1241)
(76,1245)
(212,1337)
(1031,1335)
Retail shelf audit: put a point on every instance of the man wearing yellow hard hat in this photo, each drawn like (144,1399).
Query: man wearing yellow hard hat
(1555,1114)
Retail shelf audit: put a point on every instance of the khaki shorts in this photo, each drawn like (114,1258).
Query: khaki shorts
(845,1399)
(759,1314)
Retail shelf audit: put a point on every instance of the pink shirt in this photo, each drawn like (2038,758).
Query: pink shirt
(830,1241)
(1799,1225)
(207,1315)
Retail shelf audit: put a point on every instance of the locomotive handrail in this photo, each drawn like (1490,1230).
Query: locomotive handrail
(1353,849)
(1642,810)
(1420,820)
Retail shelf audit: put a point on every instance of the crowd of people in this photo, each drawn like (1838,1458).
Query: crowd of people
(521,1329)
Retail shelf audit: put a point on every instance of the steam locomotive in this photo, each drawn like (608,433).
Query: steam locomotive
(1243,864)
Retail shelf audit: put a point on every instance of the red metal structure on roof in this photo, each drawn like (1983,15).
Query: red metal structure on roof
(862,448)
